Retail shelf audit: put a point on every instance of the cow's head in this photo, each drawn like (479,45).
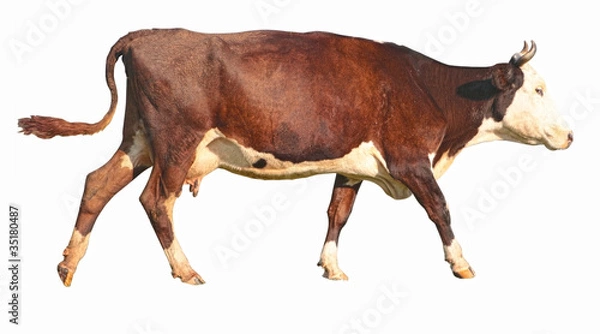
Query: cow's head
(524,111)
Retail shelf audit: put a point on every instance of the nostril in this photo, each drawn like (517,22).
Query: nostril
(570,136)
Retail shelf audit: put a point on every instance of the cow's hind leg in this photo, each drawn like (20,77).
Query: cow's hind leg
(342,201)
(100,186)
(158,200)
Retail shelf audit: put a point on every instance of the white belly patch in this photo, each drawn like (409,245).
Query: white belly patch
(363,162)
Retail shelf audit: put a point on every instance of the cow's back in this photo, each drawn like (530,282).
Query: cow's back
(300,97)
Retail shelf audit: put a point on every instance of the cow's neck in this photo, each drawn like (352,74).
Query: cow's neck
(465,97)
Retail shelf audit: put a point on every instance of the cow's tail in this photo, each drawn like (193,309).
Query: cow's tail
(48,127)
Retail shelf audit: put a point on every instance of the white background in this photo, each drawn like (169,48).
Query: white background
(532,236)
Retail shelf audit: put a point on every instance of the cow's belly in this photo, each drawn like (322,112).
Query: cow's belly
(364,162)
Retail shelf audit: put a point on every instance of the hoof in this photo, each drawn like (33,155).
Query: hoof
(65,274)
(191,278)
(332,272)
(337,276)
(196,280)
(464,273)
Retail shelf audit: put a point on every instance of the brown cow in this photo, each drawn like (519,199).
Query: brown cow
(281,105)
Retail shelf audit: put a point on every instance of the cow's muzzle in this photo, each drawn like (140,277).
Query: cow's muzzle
(559,141)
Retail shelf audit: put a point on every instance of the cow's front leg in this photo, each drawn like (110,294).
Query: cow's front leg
(419,179)
(158,200)
(342,200)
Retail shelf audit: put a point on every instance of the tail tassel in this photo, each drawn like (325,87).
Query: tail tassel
(48,127)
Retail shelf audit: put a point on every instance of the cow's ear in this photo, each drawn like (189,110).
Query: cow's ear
(506,76)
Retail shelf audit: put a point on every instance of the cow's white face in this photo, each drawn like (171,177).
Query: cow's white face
(532,117)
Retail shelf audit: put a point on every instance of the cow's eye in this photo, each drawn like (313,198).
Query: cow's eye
(540,91)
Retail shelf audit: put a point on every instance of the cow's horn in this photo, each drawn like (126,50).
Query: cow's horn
(525,48)
(519,59)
